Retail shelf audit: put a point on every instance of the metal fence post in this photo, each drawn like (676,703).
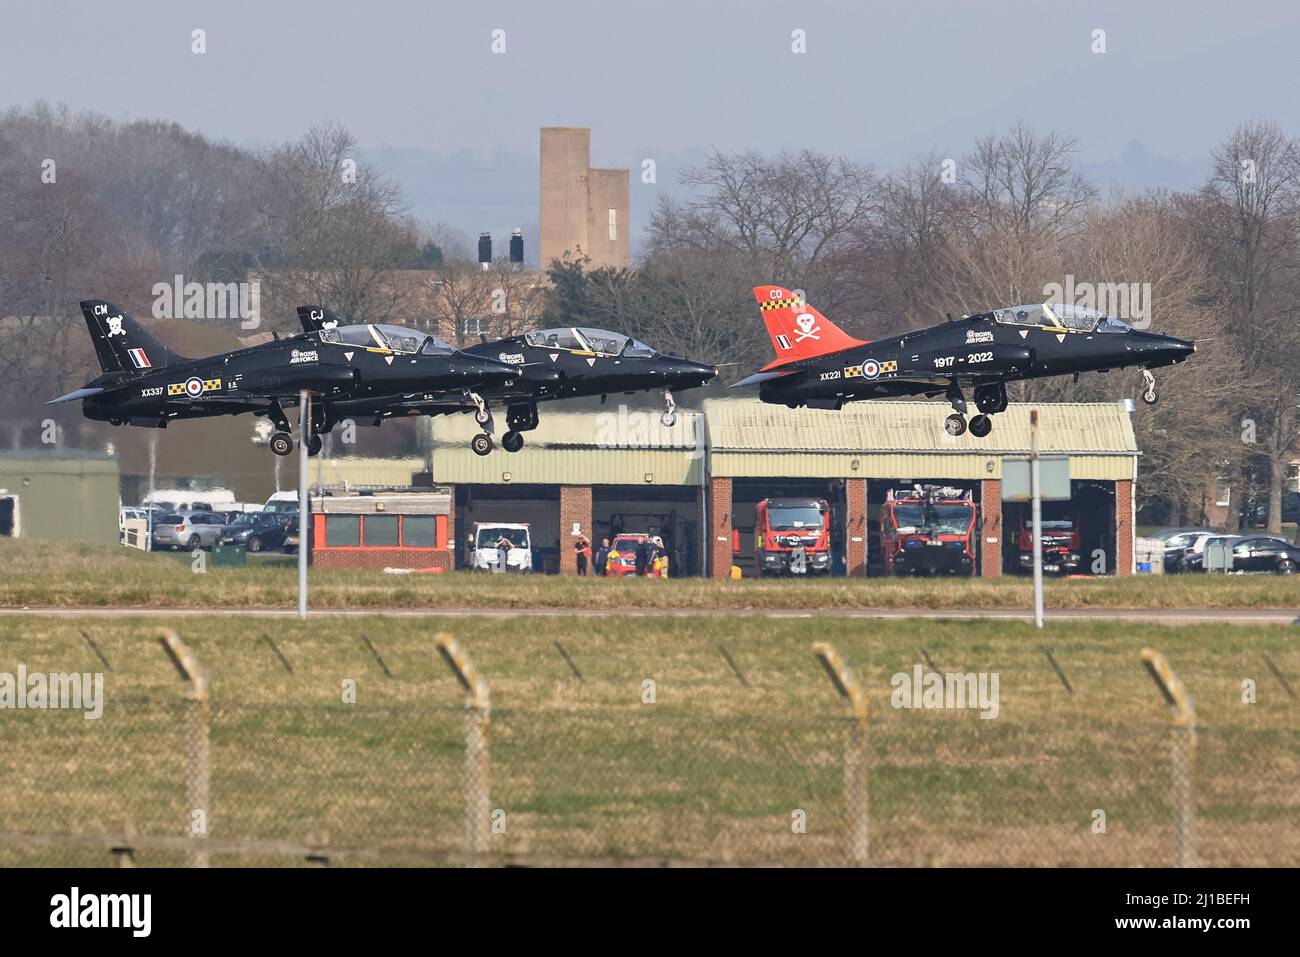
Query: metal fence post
(198,719)
(478,720)
(1182,755)
(855,750)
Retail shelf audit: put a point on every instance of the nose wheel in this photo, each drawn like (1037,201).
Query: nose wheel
(669,416)
(1149,395)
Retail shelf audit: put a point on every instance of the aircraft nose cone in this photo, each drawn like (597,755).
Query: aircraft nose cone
(491,371)
(696,373)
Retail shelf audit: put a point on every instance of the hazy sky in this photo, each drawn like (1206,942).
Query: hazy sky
(457,124)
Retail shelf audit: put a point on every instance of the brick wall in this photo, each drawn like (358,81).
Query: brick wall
(855,552)
(1124,527)
(720,528)
(575,506)
(991,511)
(378,559)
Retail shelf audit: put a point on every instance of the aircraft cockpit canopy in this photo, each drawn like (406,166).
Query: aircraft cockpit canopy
(595,341)
(393,338)
(1056,315)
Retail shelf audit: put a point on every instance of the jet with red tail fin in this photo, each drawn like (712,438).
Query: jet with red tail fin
(819,366)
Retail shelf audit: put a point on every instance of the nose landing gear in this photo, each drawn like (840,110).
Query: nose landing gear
(1149,395)
(669,416)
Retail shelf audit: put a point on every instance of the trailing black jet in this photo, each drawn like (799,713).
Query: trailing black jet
(145,383)
(560,363)
(821,367)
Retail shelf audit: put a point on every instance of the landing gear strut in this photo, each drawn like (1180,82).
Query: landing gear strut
(669,417)
(520,417)
(1149,388)
(991,398)
(481,443)
(955,424)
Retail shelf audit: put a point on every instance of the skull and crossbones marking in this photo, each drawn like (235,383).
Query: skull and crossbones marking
(115,326)
(808,328)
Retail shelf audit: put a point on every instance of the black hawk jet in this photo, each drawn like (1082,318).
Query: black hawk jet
(548,364)
(821,367)
(145,383)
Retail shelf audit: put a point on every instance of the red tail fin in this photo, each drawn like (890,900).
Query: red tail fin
(798,330)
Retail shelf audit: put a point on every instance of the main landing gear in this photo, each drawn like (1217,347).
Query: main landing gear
(520,418)
(282,441)
(989,399)
(1149,395)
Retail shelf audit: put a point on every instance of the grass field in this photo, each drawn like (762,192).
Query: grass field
(43,574)
(711,770)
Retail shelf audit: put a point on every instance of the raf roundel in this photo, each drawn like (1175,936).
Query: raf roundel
(870,369)
(194,387)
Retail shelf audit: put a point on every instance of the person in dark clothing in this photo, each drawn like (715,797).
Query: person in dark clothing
(582,548)
(653,549)
(602,557)
(643,550)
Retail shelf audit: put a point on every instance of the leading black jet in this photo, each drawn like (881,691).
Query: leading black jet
(145,383)
(559,363)
(821,367)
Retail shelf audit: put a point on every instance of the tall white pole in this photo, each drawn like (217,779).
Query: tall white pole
(304,437)
(1036,494)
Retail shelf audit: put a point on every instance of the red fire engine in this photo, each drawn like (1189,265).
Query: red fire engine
(928,530)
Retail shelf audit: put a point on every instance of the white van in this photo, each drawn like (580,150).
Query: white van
(487,557)
(282,502)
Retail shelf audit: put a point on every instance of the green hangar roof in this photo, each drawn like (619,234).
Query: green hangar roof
(899,439)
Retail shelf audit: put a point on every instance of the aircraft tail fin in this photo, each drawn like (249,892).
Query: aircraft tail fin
(121,343)
(314,318)
(798,330)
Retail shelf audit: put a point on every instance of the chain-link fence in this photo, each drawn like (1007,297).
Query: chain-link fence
(409,774)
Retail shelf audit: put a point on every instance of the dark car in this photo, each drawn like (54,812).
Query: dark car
(258,531)
(1265,554)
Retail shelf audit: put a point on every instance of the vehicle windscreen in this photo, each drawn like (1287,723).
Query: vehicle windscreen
(1052,525)
(245,518)
(282,506)
(798,518)
(950,519)
(172,519)
(488,537)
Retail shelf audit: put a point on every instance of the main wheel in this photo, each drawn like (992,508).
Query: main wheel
(1150,397)
(512,441)
(481,443)
(981,426)
(955,424)
(668,419)
(482,416)
(282,443)
(314,445)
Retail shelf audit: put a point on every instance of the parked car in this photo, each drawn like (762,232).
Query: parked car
(281,502)
(486,556)
(622,556)
(1258,553)
(259,531)
(1182,547)
(189,530)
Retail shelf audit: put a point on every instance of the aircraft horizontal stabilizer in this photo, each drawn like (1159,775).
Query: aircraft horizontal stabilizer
(73,396)
(758,377)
